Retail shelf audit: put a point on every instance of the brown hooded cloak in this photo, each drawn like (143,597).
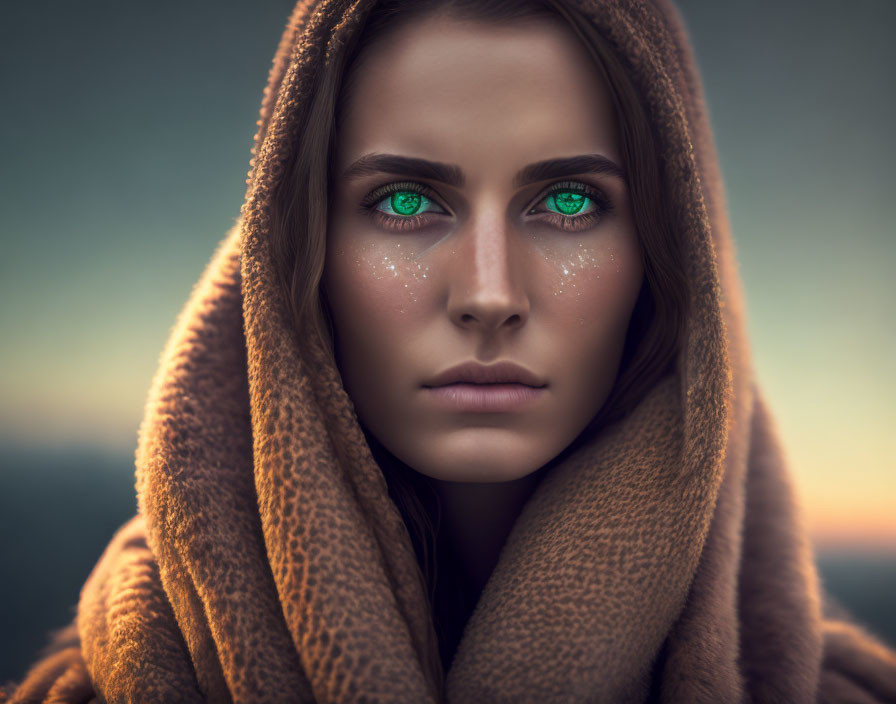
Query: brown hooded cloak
(663,561)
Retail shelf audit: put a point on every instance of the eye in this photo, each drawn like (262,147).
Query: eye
(573,206)
(403,205)
(406,205)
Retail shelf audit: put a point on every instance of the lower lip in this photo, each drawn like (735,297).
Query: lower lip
(484,398)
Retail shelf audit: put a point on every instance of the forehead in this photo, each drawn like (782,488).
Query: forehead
(477,92)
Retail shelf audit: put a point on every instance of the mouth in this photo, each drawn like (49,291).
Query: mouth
(484,398)
(495,388)
(475,373)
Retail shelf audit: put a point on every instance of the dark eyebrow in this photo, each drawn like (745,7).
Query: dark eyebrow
(405,165)
(453,176)
(570,166)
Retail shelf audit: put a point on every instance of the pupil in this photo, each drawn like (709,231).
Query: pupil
(405,202)
(569,202)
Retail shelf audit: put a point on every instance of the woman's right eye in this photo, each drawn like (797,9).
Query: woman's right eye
(402,206)
(407,203)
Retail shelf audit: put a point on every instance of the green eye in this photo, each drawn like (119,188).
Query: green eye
(567,202)
(572,206)
(405,205)
(406,202)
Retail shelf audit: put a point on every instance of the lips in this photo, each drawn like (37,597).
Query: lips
(475,373)
(477,388)
(484,398)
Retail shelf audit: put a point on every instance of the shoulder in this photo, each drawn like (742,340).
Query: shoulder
(856,666)
(60,674)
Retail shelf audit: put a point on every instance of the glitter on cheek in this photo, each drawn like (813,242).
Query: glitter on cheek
(400,267)
(574,269)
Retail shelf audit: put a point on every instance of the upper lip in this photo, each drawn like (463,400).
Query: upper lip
(498,373)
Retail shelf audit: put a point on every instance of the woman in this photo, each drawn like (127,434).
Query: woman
(463,410)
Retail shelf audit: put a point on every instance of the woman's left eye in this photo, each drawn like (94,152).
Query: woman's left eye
(573,199)
(572,206)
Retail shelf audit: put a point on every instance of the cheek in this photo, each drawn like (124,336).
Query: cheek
(376,293)
(588,300)
(592,284)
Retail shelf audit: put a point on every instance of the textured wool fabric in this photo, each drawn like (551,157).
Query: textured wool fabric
(663,560)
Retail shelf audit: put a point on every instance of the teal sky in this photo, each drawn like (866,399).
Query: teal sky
(125,131)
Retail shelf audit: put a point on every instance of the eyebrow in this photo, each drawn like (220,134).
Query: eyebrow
(452,175)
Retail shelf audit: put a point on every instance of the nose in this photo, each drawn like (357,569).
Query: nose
(487,287)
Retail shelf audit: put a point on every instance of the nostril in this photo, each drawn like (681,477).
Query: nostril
(513,321)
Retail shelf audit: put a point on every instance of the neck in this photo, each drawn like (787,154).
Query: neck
(477,518)
(475,521)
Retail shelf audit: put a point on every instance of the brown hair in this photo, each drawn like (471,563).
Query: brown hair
(299,223)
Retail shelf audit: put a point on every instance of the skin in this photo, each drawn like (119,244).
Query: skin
(484,271)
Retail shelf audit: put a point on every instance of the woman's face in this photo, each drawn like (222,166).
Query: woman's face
(479,217)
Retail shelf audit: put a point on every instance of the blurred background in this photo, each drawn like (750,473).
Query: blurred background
(125,131)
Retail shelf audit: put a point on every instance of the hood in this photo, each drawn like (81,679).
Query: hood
(662,560)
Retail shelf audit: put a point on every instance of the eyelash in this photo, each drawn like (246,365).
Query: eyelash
(567,223)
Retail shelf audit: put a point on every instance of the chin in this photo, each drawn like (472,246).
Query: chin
(483,455)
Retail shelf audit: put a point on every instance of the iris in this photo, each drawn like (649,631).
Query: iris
(567,202)
(405,202)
